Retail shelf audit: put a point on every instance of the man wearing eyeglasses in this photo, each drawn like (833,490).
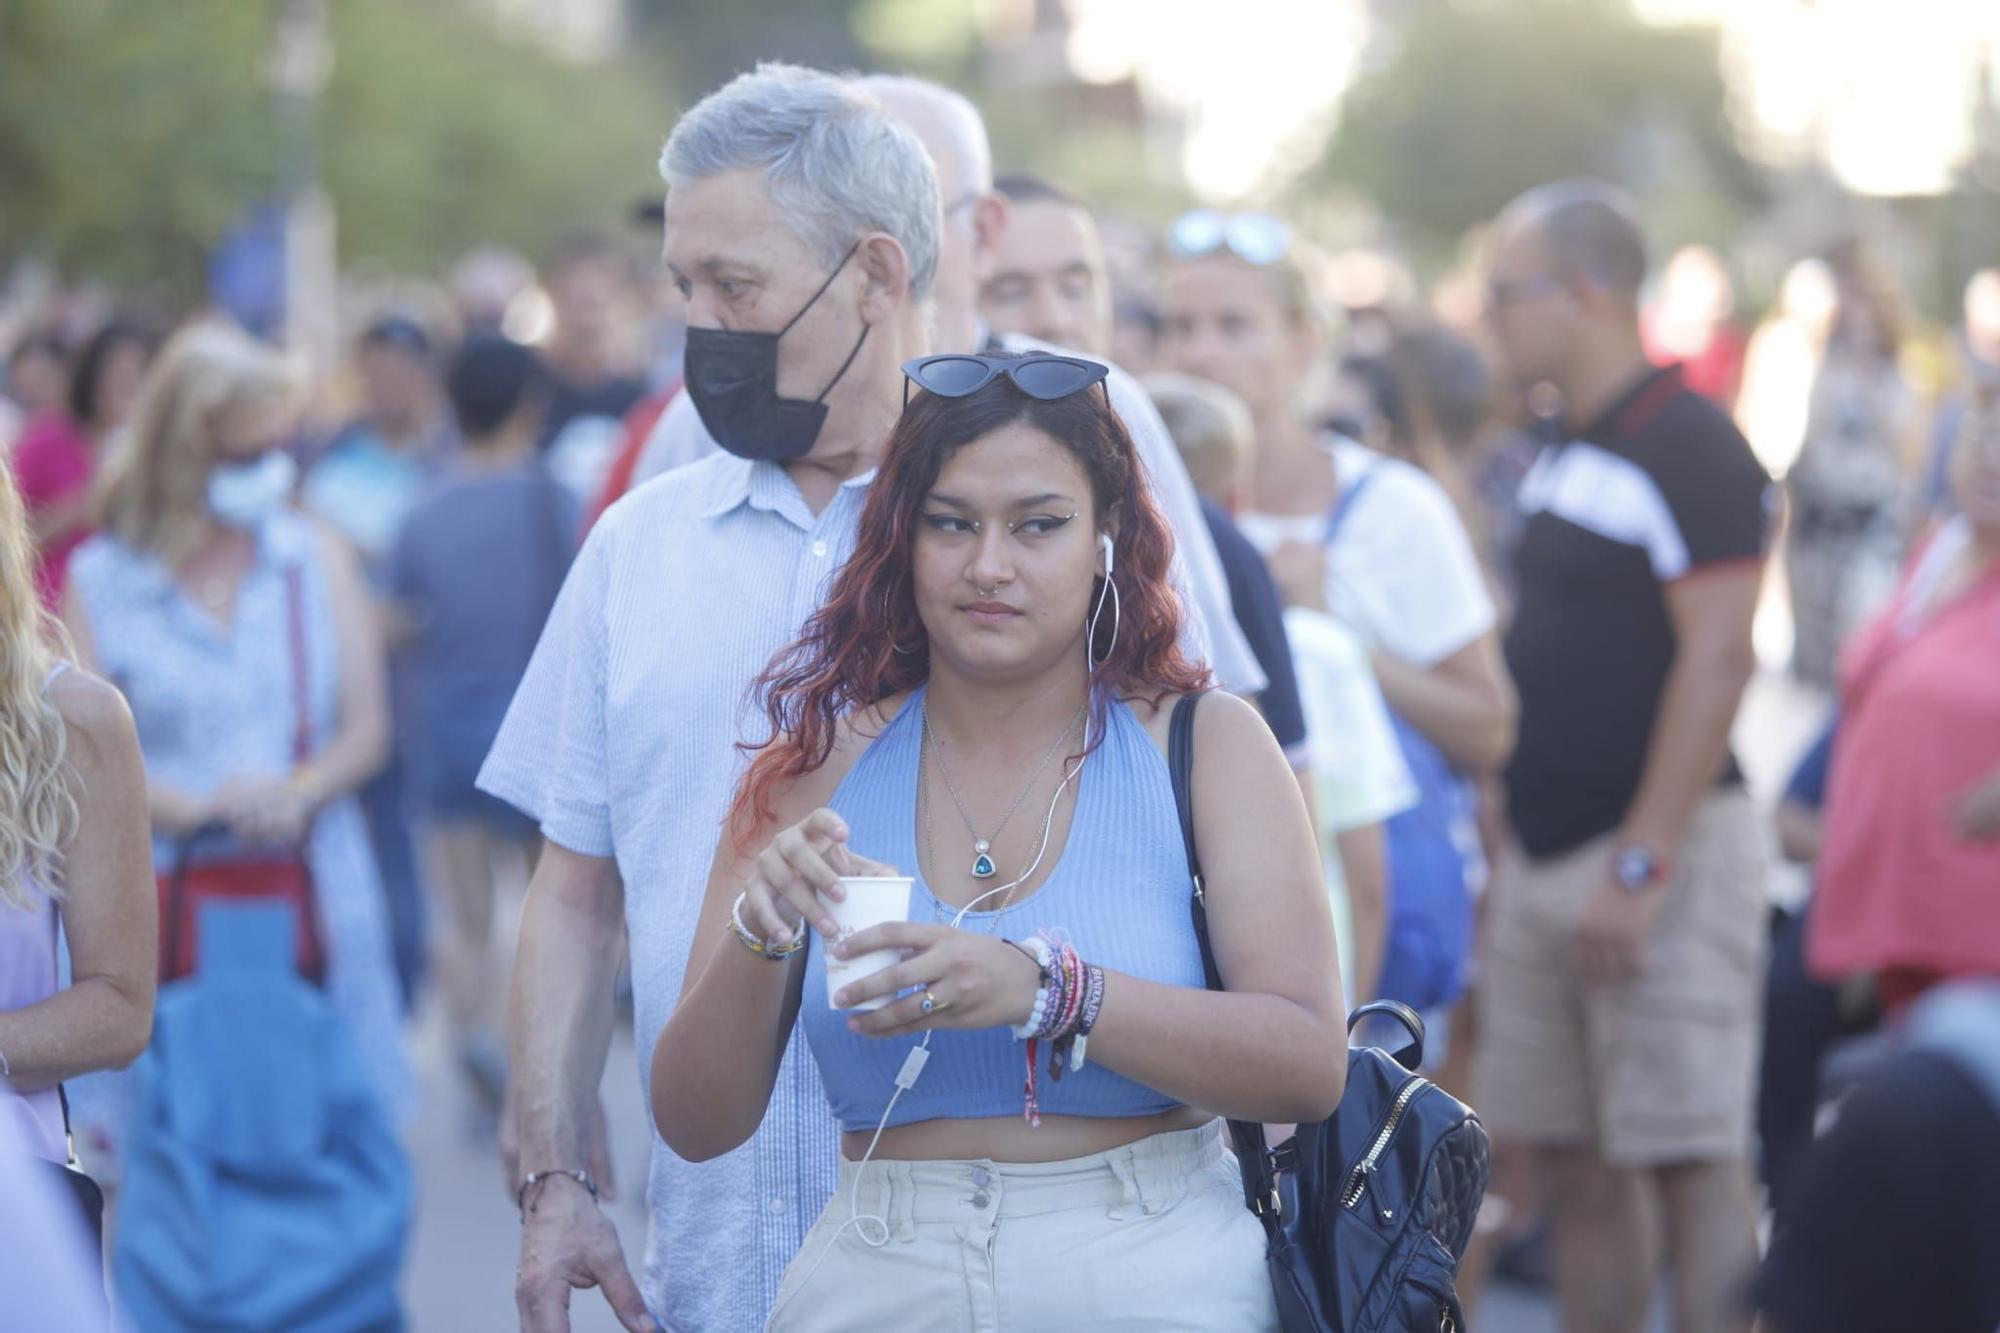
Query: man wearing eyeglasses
(1620,969)
(975,217)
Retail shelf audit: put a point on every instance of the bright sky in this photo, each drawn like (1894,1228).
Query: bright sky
(1884,90)
(1251,74)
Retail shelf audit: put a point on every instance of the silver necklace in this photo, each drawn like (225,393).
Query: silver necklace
(983,866)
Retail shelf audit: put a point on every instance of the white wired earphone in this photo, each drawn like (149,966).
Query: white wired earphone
(913,1063)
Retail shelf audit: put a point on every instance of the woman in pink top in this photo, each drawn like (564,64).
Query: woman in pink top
(74,850)
(1909,871)
(59,452)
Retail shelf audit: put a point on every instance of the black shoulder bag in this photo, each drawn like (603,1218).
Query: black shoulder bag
(1367,1213)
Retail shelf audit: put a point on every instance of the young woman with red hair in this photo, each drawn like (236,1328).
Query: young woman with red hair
(1006,604)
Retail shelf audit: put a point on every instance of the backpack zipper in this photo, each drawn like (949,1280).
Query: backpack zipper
(1357,1180)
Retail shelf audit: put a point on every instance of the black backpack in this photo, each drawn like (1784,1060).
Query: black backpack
(1368,1212)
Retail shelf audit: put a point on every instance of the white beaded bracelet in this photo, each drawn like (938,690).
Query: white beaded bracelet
(761,947)
(1044,959)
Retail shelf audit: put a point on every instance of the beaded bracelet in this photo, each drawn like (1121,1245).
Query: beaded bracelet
(1036,948)
(762,948)
(534,1178)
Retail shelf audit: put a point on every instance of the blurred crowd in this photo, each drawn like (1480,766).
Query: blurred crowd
(1496,556)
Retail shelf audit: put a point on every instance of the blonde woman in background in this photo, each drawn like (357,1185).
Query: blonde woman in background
(74,873)
(185,601)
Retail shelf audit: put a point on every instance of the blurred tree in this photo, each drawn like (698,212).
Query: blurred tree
(437,133)
(1466,104)
(130,136)
(705,44)
(133,135)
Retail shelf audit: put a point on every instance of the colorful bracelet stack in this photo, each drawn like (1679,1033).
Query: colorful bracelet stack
(757,945)
(1066,1009)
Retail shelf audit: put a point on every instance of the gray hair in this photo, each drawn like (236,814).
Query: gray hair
(834,161)
(942,118)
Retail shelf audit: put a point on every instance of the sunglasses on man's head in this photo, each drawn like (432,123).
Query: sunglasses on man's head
(1041,375)
(1254,238)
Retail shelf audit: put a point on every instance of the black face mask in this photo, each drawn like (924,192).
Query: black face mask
(732,376)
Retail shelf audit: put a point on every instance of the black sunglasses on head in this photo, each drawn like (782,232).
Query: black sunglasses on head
(1041,375)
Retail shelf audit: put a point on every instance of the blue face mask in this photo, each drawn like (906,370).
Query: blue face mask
(243,495)
(732,377)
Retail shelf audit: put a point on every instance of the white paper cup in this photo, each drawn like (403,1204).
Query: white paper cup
(871,900)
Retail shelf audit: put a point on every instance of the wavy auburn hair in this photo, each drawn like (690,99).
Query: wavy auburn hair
(868,643)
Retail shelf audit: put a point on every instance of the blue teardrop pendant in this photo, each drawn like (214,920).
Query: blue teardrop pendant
(982,864)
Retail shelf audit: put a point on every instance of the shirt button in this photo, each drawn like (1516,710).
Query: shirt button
(819,550)
(777,1205)
(980,1200)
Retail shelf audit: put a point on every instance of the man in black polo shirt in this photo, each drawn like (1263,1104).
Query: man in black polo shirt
(1620,970)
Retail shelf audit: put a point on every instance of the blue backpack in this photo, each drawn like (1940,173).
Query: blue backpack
(264,1187)
(1430,906)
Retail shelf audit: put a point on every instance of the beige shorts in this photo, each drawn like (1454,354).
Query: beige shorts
(1153,1235)
(1656,1070)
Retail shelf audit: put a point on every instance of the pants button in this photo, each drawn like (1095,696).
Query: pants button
(981,1176)
(980,1200)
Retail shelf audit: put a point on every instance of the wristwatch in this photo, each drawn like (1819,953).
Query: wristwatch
(1638,867)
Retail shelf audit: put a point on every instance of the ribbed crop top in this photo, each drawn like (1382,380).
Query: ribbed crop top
(1120,890)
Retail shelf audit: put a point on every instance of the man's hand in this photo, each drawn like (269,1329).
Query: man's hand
(566,1244)
(1611,933)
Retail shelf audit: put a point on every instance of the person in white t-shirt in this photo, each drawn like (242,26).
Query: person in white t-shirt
(1361,780)
(1400,570)
(1358,779)
(1370,540)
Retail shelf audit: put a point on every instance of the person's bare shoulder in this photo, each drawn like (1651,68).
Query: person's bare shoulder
(101,733)
(1221,719)
(852,735)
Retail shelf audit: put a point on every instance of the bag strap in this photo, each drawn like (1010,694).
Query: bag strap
(295,615)
(295,618)
(1253,1155)
(1344,504)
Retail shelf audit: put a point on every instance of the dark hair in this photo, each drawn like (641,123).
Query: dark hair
(1588,229)
(88,376)
(1022,187)
(399,333)
(47,344)
(1446,379)
(867,642)
(581,247)
(1385,394)
(488,379)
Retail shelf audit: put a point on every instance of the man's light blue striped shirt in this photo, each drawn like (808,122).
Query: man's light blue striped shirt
(621,741)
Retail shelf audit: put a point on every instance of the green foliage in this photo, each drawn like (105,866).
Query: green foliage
(133,134)
(436,133)
(1476,102)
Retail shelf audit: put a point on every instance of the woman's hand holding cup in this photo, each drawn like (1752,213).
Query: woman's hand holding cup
(972,980)
(801,863)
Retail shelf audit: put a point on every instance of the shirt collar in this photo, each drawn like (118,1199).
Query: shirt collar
(1654,386)
(763,485)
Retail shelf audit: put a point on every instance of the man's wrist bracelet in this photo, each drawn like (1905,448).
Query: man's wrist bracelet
(534,1178)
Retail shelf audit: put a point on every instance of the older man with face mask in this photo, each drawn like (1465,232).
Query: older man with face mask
(802,226)
(976,217)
